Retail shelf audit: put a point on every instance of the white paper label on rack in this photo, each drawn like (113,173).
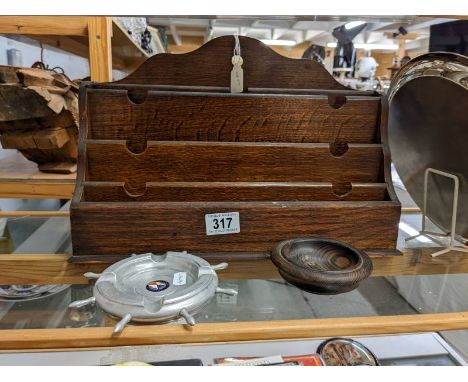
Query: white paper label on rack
(180,278)
(222,223)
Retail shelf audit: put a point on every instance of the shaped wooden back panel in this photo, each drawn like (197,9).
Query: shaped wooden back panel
(211,65)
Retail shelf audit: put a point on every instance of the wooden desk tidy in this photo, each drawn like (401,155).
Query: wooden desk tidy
(296,155)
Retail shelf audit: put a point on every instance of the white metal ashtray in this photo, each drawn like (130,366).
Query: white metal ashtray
(155,288)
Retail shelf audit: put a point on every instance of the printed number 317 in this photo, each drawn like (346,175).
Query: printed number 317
(223,223)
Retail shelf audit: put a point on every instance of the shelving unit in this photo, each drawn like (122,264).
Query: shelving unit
(107,46)
(101,39)
(229,332)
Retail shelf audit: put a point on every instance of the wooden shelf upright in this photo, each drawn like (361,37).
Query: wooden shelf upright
(99,38)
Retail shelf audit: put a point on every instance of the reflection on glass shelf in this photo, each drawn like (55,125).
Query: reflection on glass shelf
(435,360)
(257,300)
(28,234)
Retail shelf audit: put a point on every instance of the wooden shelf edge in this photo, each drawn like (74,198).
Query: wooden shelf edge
(30,189)
(21,178)
(56,268)
(34,214)
(44,25)
(230,331)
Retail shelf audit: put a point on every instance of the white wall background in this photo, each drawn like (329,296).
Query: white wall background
(75,67)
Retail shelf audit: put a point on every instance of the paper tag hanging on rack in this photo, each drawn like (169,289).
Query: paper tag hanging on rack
(237,73)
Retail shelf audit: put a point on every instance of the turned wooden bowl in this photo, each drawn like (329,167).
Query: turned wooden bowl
(321,266)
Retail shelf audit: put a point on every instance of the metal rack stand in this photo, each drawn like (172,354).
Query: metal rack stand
(451,233)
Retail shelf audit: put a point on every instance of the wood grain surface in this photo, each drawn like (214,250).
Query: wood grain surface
(231,162)
(230,331)
(100,48)
(234,191)
(211,65)
(36,214)
(57,269)
(44,25)
(20,178)
(15,168)
(45,269)
(36,190)
(321,266)
(179,116)
(159,227)
(39,116)
(169,143)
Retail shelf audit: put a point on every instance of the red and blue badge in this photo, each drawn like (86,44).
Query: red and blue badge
(157,285)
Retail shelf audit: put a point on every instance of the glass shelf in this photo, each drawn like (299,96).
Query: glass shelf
(258,300)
